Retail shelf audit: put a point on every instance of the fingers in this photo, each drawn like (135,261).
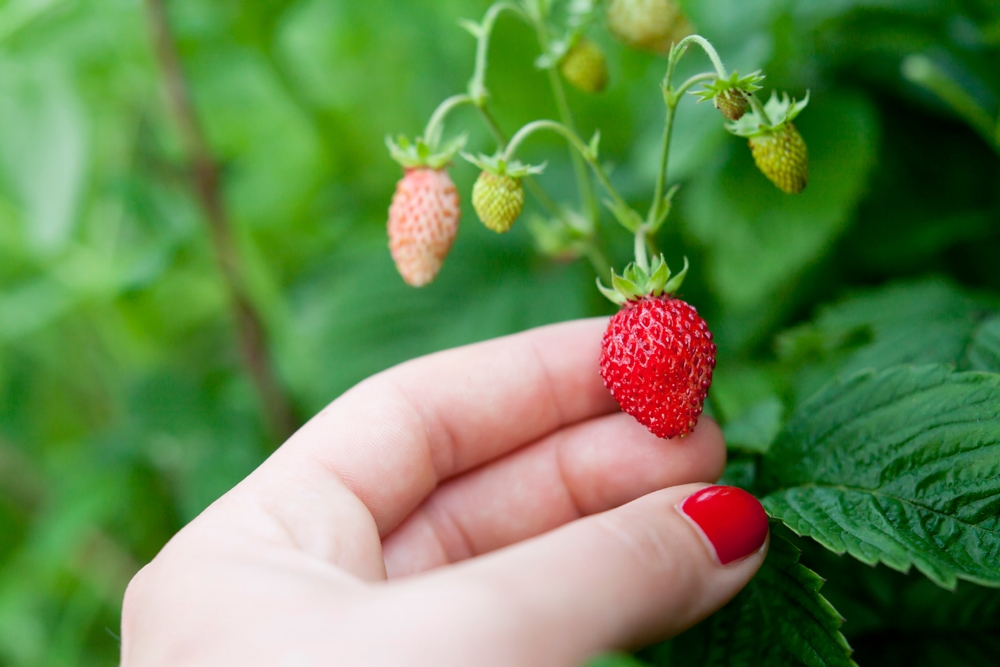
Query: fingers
(588,468)
(628,576)
(394,437)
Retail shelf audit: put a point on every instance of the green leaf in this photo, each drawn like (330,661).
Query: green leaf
(616,660)
(983,352)
(900,466)
(931,649)
(779,619)
(930,321)
(756,428)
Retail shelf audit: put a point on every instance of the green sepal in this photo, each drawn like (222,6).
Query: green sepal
(660,276)
(496,164)
(626,287)
(666,204)
(593,147)
(612,295)
(674,284)
(747,84)
(473,28)
(635,283)
(779,110)
(629,218)
(424,153)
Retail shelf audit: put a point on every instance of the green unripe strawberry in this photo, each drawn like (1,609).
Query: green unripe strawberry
(498,200)
(585,67)
(783,157)
(731,103)
(652,25)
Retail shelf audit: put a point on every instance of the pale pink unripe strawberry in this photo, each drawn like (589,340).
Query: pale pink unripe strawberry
(423,222)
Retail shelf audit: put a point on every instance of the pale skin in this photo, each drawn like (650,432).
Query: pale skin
(487,505)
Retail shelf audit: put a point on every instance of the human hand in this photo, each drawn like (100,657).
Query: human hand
(487,505)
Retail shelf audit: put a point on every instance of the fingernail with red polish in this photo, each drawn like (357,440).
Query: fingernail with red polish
(731,520)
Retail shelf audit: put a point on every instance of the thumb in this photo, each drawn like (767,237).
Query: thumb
(639,573)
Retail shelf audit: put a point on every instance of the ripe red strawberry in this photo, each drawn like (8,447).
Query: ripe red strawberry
(657,359)
(657,355)
(423,222)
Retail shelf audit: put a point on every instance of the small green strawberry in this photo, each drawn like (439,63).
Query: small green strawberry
(778,149)
(585,67)
(731,96)
(498,200)
(651,25)
(498,194)
(782,156)
(732,103)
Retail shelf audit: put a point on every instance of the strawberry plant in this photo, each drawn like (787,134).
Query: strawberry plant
(885,462)
(193,223)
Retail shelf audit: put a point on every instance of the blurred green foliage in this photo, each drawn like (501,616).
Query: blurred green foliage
(124,406)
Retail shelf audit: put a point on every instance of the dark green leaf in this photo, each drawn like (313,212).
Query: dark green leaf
(616,660)
(780,619)
(983,352)
(930,649)
(900,466)
(756,428)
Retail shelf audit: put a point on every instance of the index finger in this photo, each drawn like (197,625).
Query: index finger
(393,438)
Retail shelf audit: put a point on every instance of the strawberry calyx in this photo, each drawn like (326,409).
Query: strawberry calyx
(770,118)
(748,84)
(500,166)
(731,94)
(424,152)
(637,282)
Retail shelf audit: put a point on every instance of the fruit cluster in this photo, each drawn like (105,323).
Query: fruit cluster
(658,355)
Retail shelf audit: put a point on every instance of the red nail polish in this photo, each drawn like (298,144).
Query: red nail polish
(733,520)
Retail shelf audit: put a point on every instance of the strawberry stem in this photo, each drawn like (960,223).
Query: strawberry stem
(713,55)
(581,148)
(483,31)
(432,132)
(641,255)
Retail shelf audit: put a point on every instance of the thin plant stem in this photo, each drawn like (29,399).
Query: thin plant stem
(477,86)
(252,336)
(709,50)
(433,127)
(576,143)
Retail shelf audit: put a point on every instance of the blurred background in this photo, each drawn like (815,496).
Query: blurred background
(131,389)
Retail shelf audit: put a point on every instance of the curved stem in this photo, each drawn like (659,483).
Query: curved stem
(433,128)
(575,142)
(477,85)
(693,81)
(709,50)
